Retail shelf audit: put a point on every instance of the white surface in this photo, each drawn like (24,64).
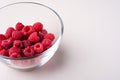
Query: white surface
(90,49)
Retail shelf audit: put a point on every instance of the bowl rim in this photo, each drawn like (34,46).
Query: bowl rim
(60,36)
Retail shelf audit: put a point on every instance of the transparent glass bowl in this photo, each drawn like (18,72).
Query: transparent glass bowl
(28,13)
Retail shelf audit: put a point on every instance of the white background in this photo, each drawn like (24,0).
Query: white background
(90,49)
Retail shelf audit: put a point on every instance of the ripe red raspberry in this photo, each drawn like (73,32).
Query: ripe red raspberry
(14,50)
(48,47)
(9,32)
(38,47)
(18,43)
(17,35)
(42,34)
(7,43)
(26,43)
(19,26)
(38,26)
(4,52)
(32,47)
(49,36)
(34,37)
(15,55)
(27,30)
(0,42)
(46,43)
(28,51)
(2,37)
(44,31)
(1,48)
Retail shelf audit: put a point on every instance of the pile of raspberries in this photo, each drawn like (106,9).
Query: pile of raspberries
(25,41)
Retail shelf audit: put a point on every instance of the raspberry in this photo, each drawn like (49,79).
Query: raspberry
(0,42)
(38,26)
(18,43)
(2,37)
(46,43)
(38,47)
(32,47)
(49,36)
(26,43)
(14,50)
(9,32)
(1,48)
(27,30)
(19,26)
(41,36)
(17,35)
(44,31)
(7,43)
(28,51)
(15,55)
(48,47)
(34,37)
(4,52)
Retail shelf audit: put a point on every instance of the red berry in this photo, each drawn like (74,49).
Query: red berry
(1,48)
(17,35)
(46,43)
(49,36)
(28,51)
(18,43)
(4,52)
(15,55)
(41,36)
(44,31)
(32,47)
(0,42)
(7,43)
(9,32)
(27,30)
(26,43)
(34,37)
(38,26)
(38,47)
(19,26)
(14,50)
(48,47)
(2,37)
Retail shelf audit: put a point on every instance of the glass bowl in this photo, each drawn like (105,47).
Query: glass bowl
(29,13)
